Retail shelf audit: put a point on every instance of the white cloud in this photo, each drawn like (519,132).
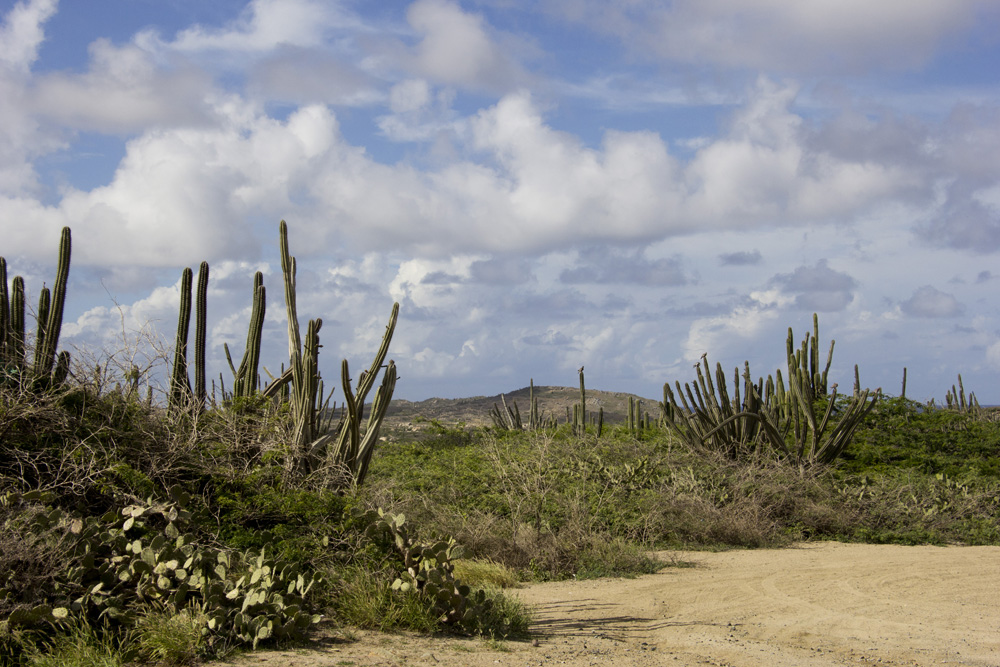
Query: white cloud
(807,36)
(409,95)
(928,301)
(21,33)
(457,48)
(123,91)
(263,25)
(21,137)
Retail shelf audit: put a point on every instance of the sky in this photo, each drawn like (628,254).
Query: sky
(624,185)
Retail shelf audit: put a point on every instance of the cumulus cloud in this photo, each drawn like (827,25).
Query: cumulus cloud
(928,301)
(21,137)
(188,193)
(297,75)
(261,27)
(822,35)
(818,287)
(613,267)
(22,33)
(123,91)
(965,223)
(501,271)
(456,48)
(741,258)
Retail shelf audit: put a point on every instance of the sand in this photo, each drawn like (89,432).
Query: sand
(821,603)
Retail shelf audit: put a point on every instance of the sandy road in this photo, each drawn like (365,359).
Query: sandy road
(815,604)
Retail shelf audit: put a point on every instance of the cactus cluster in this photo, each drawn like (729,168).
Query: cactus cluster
(143,557)
(49,368)
(508,418)
(804,423)
(348,446)
(956,399)
(429,571)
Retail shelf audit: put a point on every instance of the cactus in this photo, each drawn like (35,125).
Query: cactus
(429,571)
(180,386)
(145,554)
(48,368)
(16,341)
(506,418)
(957,400)
(352,449)
(825,447)
(50,324)
(246,377)
(806,358)
(200,332)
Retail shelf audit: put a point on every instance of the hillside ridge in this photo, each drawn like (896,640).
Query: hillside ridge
(552,402)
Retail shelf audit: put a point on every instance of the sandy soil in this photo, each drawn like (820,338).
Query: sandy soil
(814,604)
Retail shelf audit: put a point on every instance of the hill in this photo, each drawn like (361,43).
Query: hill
(552,402)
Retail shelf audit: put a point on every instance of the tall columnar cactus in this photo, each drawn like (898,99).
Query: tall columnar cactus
(706,415)
(534,421)
(180,385)
(956,399)
(15,342)
(813,443)
(246,377)
(200,333)
(48,367)
(50,325)
(352,447)
(806,358)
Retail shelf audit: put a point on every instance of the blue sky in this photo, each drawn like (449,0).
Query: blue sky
(624,185)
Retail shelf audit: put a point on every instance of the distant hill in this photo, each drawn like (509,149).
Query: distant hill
(552,402)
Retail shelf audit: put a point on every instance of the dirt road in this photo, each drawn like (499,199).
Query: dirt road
(814,604)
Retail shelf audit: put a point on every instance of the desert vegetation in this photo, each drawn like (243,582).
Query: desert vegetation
(176,526)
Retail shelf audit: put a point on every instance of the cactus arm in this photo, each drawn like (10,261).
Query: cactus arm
(368,379)
(347,447)
(383,397)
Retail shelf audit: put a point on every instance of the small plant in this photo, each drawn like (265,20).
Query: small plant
(76,644)
(429,572)
(172,638)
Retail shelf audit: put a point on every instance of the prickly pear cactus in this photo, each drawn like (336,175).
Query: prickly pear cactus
(143,556)
(430,572)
